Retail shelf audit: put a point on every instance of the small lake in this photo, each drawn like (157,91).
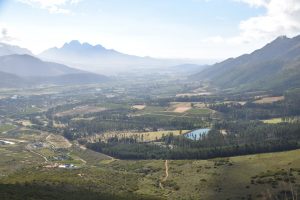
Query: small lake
(196,134)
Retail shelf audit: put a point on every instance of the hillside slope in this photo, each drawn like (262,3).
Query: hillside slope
(11,81)
(26,65)
(25,70)
(7,49)
(276,65)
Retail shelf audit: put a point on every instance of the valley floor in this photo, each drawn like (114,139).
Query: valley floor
(47,136)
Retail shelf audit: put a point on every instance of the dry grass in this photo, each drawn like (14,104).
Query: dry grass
(147,136)
(269,100)
(139,107)
(58,125)
(193,94)
(25,122)
(200,105)
(79,118)
(58,141)
(180,107)
(81,110)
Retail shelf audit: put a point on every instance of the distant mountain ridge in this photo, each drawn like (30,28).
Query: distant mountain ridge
(75,49)
(26,65)
(277,64)
(25,70)
(89,57)
(7,49)
(97,58)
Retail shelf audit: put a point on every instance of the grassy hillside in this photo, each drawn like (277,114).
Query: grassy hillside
(276,65)
(262,176)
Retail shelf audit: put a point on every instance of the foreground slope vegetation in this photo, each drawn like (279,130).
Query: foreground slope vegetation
(262,176)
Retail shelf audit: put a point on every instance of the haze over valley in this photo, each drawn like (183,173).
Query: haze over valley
(150,100)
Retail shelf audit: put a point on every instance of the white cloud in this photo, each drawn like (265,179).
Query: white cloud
(4,34)
(53,6)
(255,3)
(281,18)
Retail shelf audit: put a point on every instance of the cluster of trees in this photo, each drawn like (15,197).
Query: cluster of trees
(16,106)
(251,111)
(292,101)
(125,120)
(241,138)
(130,151)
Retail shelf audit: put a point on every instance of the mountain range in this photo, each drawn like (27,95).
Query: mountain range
(19,68)
(6,49)
(96,58)
(275,66)
(86,62)
(26,66)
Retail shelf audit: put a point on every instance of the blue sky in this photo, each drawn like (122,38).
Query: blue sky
(202,29)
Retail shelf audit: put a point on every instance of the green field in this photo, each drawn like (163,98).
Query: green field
(273,121)
(200,111)
(30,110)
(6,127)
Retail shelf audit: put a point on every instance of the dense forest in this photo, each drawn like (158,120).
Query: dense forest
(241,138)
(249,111)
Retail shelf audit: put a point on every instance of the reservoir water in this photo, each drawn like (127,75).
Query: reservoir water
(196,134)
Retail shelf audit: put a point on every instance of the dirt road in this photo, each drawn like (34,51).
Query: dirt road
(166,175)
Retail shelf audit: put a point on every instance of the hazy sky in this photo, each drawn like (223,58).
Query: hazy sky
(204,29)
